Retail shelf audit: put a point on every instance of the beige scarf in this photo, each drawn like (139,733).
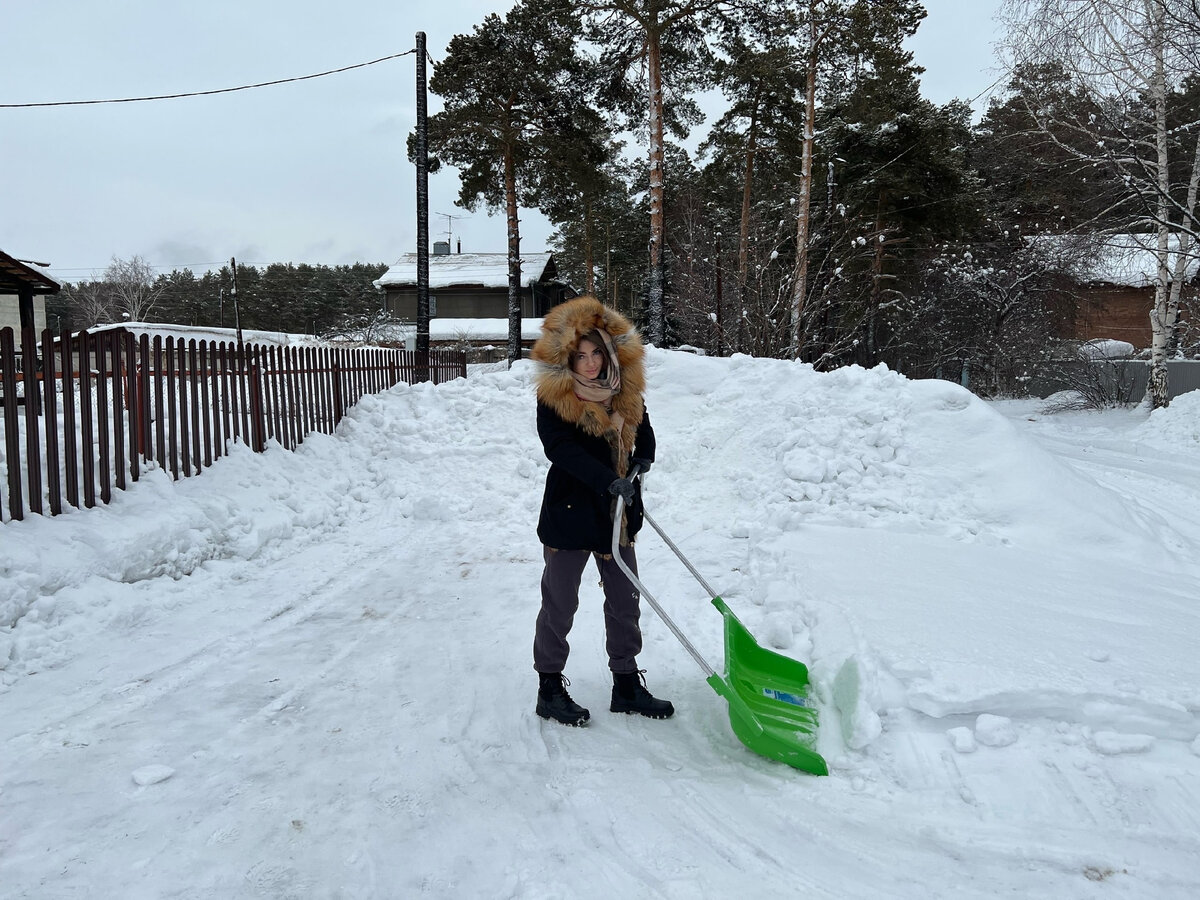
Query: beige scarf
(608,385)
(602,389)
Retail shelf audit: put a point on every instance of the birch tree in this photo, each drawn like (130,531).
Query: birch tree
(1129,57)
(134,288)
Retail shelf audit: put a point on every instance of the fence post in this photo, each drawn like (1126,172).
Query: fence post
(53,479)
(86,429)
(207,415)
(160,410)
(119,405)
(145,416)
(339,408)
(33,418)
(70,438)
(133,402)
(103,444)
(172,407)
(258,423)
(12,440)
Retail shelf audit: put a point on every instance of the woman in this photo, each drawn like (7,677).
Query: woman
(593,425)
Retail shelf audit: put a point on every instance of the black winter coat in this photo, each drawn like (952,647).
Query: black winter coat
(577,508)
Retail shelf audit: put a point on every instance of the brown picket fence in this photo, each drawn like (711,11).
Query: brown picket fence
(84,414)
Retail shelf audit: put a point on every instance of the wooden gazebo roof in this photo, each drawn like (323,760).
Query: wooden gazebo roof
(20,278)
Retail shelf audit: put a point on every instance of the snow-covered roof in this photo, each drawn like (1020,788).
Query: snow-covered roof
(463,269)
(208,333)
(1131,260)
(19,273)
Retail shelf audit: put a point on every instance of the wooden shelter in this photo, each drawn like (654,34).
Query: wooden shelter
(472,285)
(25,282)
(22,280)
(1116,291)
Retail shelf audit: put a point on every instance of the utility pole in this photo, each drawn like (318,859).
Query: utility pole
(422,152)
(237,317)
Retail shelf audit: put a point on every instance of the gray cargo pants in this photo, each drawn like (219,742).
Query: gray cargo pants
(560,600)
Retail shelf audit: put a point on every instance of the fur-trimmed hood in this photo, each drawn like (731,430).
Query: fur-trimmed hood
(562,328)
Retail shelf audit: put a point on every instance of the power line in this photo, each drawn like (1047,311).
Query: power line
(244,87)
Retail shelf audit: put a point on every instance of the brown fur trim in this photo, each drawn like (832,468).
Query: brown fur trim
(562,329)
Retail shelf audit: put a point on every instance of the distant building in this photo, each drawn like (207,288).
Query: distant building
(472,285)
(1116,290)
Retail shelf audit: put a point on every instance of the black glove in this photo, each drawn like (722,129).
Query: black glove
(622,487)
(642,464)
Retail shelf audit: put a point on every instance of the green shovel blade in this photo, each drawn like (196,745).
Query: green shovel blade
(770,710)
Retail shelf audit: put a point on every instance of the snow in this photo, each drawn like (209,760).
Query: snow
(309,674)
(995,731)
(210,333)
(152,774)
(458,269)
(1106,348)
(444,329)
(1131,260)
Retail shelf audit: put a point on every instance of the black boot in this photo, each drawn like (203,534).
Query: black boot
(554,702)
(629,695)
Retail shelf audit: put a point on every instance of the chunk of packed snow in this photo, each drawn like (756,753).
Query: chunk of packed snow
(152,774)
(995,731)
(962,739)
(1112,743)
(860,723)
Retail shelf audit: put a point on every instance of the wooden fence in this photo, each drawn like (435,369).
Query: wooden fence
(85,414)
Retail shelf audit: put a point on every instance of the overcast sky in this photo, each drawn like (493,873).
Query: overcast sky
(313,171)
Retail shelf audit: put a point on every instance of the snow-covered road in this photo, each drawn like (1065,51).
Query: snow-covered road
(328,653)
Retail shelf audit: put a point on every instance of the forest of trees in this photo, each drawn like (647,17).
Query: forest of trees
(832,214)
(304,299)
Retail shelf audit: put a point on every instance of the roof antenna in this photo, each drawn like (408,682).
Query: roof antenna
(450,228)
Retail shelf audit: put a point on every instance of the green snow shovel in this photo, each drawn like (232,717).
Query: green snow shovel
(769,706)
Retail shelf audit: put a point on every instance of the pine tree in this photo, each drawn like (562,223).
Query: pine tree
(904,183)
(608,243)
(667,40)
(578,175)
(508,89)
(758,132)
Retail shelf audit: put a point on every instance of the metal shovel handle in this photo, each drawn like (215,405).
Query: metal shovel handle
(709,671)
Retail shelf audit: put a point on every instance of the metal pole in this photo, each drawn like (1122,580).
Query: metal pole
(708,670)
(422,153)
(237,316)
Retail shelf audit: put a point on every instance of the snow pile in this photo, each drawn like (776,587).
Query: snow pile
(872,449)
(1105,348)
(1176,426)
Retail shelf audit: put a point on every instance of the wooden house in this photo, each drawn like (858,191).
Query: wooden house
(1115,294)
(472,285)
